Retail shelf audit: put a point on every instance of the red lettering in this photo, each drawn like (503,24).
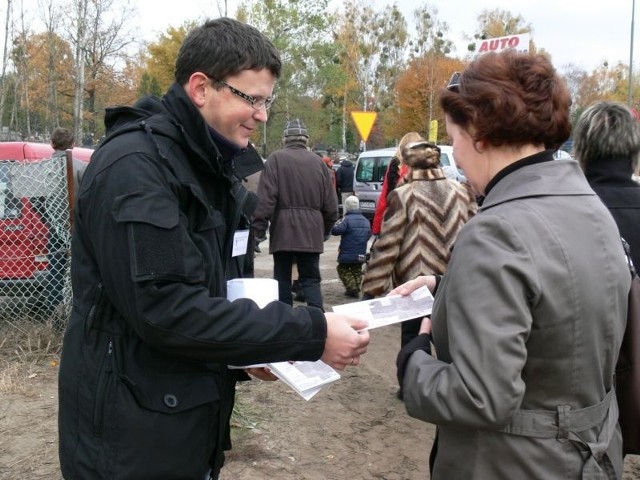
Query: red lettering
(494,44)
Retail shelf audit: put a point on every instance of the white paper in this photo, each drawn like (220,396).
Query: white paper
(306,378)
(391,309)
(240,243)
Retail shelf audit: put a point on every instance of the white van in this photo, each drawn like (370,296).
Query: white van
(371,167)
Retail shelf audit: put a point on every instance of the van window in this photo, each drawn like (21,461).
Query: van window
(10,206)
(445,160)
(372,169)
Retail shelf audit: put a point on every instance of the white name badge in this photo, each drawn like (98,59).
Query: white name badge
(240,243)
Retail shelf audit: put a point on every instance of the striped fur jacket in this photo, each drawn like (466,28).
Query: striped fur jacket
(419,227)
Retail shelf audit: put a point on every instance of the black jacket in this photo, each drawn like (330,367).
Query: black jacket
(611,179)
(144,390)
(345,176)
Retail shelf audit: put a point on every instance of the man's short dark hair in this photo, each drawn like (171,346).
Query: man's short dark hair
(224,47)
(62,139)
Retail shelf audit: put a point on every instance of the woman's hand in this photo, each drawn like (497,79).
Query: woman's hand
(412,285)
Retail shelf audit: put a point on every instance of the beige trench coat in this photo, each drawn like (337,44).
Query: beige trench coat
(530,316)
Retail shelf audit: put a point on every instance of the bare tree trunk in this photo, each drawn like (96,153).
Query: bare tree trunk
(3,92)
(344,119)
(53,111)
(23,76)
(81,32)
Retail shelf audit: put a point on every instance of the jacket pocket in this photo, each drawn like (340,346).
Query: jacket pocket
(172,417)
(159,243)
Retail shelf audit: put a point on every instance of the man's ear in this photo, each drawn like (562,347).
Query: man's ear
(197,88)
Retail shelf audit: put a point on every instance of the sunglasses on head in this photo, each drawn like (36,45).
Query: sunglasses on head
(454,82)
(421,144)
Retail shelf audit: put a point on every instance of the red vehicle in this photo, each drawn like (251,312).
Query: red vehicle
(24,233)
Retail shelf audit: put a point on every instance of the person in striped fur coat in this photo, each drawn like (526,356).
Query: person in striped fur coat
(419,227)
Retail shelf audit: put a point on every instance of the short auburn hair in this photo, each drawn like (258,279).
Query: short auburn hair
(510,98)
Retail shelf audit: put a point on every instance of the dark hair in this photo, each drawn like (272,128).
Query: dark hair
(224,47)
(62,139)
(511,98)
(607,131)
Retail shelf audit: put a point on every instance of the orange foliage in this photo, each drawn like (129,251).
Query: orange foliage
(417,95)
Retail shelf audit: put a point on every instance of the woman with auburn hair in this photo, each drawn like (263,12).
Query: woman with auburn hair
(528,320)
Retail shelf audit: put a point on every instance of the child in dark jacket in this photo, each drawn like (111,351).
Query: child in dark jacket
(355,230)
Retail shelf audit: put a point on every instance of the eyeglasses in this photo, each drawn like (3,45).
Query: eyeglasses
(454,82)
(256,103)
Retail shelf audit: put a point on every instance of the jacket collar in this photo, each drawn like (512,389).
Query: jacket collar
(610,171)
(554,178)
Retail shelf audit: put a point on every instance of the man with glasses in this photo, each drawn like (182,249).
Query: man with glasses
(161,223)
(299,206)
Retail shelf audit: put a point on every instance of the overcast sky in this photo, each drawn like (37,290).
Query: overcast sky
(586,33)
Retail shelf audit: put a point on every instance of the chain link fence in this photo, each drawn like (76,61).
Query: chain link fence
(34,242)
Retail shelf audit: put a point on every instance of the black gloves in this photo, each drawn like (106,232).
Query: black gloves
(421,342)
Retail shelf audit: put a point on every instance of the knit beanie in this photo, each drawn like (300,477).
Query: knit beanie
(351,203)
(296,128)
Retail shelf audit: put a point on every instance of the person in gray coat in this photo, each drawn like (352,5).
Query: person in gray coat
(299,206)
(529,318)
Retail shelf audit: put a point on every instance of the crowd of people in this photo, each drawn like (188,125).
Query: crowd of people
(516,362)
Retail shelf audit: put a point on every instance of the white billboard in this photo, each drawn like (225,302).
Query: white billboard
(519,42)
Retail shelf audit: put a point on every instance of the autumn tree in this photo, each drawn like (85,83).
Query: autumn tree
(50,83)
(160,59)
(299,31)
(417,98)
(372,53)
(100,35)
(429,68)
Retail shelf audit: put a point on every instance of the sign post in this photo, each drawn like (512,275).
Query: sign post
(364,123)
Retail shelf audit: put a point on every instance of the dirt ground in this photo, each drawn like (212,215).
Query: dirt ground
(354,429)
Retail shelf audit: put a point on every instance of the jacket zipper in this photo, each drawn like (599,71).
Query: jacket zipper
(103,382)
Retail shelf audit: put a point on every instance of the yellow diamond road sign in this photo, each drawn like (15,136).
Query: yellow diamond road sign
(364,122)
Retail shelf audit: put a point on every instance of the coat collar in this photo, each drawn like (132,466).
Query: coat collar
(555,178)
(426,174)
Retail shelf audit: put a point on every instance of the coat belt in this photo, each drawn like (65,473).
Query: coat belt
(566,424)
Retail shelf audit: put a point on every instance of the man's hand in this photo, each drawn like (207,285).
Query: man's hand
(344,345)
(261,373)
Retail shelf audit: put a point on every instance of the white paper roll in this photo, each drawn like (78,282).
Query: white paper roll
(260,290)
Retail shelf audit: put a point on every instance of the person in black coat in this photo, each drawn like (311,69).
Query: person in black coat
(345,178)
(161,224)
(355,230)
(606,142)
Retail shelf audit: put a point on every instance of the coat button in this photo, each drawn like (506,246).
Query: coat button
(171,400)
